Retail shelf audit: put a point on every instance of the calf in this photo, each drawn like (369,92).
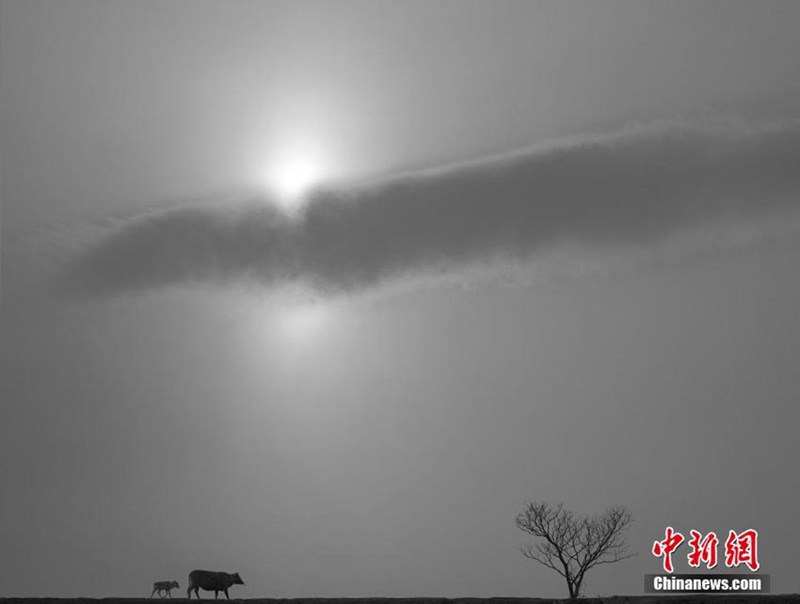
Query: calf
(164,586)
(211,581)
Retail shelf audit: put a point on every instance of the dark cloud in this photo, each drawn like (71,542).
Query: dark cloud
(637,186)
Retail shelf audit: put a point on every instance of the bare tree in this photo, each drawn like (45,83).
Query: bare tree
(573,545)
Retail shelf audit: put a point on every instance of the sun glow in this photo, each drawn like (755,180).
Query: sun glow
(295,177)
(292,174)
(302,323)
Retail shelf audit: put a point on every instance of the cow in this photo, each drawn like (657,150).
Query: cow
(211,581)
(164,586)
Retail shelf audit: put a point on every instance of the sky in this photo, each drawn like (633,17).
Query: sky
(323,292)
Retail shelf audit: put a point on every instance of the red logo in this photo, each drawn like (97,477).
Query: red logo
(704,549)
(740,548)
(666,547)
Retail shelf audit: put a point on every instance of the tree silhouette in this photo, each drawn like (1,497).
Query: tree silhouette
(573,545)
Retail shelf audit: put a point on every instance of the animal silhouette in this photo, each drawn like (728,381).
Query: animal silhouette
(164,586)
(211,581)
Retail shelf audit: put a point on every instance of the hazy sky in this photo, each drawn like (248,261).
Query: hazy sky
(322,293)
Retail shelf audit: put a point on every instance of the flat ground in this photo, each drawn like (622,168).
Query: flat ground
(689,599)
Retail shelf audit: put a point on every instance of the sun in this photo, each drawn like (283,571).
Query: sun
(294,177)
(292,173)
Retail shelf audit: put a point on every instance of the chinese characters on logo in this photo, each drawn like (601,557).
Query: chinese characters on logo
(704,549)
(666,547)
(740,548)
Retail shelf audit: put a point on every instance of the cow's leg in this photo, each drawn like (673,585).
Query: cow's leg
(226,594)
(152,594)
(216,594)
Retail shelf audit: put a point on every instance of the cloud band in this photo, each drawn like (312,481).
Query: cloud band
(636,186)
